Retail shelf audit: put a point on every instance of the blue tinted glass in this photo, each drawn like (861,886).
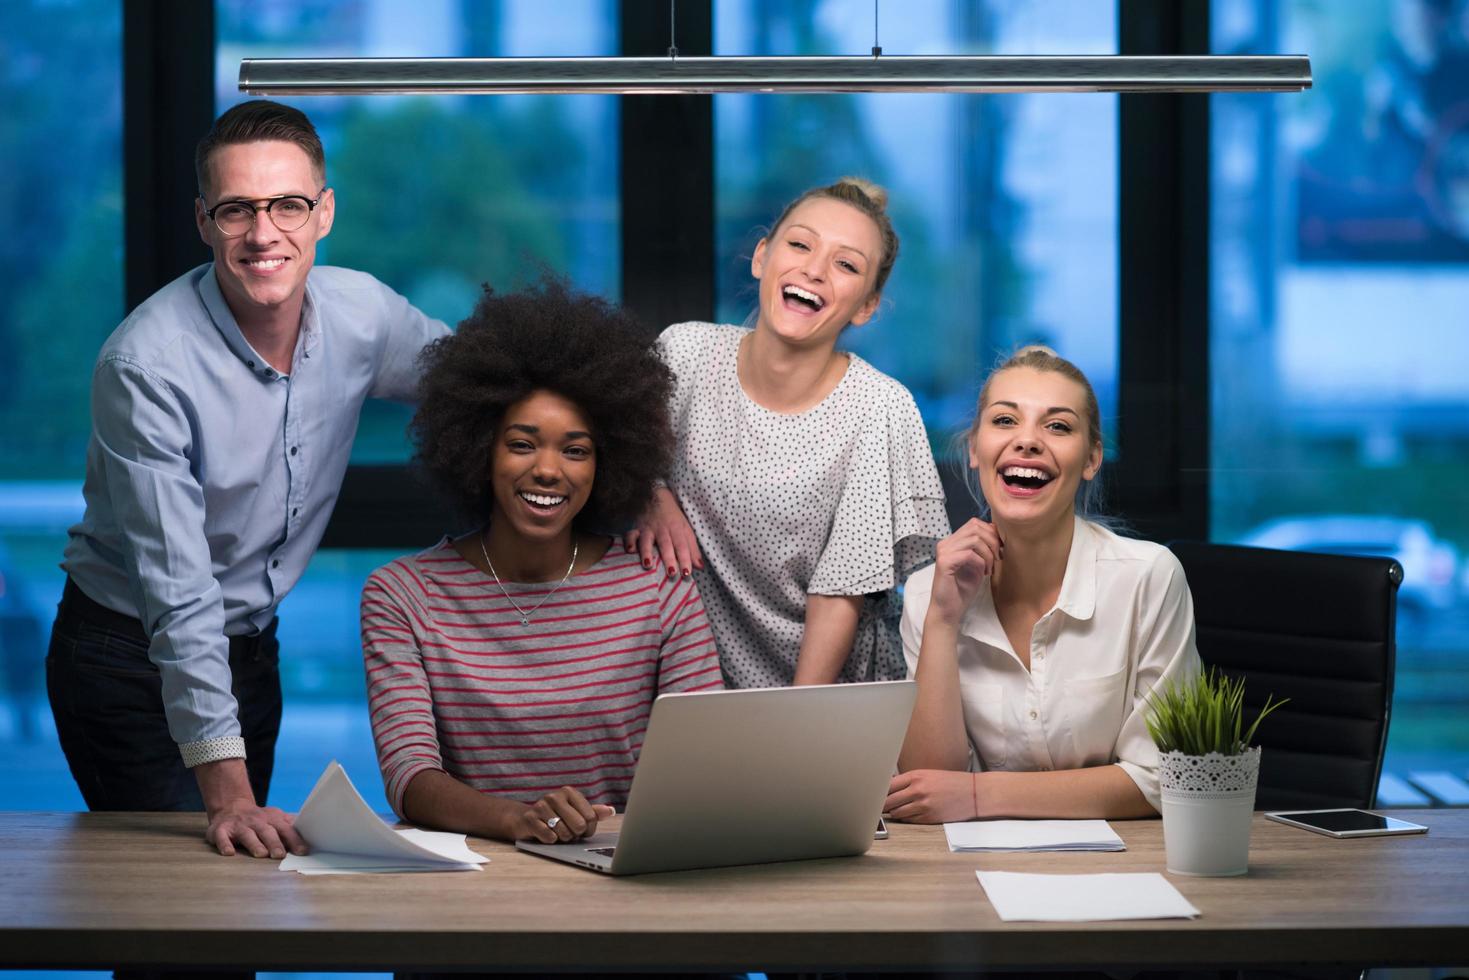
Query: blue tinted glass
(61,293)
(1006,206)
(439,195)
(322,681)
(1340,284)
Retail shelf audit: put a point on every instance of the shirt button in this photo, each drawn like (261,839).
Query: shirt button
(250,365)
(295,511)
(1033,715)
(293,450)
(277,564)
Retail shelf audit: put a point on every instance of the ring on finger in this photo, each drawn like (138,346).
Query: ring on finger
(553,822)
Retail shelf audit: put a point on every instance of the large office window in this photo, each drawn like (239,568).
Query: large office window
(61,294)
(1006,205)
(1340,263)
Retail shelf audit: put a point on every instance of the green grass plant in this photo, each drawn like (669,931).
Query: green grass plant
(1203,714)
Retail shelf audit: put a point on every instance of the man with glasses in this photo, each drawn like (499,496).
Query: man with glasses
(223,411)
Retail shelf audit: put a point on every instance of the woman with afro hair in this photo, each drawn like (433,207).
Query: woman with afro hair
(511,670)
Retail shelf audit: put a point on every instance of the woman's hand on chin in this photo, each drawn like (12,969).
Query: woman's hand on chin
(664,533)
(961,563)
(561,815)
(931,796)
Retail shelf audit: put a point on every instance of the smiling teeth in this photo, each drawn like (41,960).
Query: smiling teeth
(1025,472)
(265,263)
(806,295)
(542,500)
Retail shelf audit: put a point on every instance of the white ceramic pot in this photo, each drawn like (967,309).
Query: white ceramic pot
(1208,802)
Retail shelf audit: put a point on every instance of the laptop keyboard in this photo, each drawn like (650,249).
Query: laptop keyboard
(604,851)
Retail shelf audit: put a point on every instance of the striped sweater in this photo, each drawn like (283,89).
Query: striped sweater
(455,683)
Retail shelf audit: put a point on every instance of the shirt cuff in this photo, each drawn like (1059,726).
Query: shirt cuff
(212,750)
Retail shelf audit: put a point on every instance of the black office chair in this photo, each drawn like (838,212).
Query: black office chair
(1317,629)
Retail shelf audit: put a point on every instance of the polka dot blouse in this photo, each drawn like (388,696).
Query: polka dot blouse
(841,499)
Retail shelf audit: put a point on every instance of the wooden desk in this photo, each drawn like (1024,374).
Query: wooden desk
(102,890)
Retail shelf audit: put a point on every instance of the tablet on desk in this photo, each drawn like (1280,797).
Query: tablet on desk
(1346,823)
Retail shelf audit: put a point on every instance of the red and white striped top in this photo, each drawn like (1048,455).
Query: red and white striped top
(456,683)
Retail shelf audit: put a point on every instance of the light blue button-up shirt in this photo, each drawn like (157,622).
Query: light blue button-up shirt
(211,476)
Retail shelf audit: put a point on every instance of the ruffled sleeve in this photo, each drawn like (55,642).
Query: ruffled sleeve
(692,351)
(891,510)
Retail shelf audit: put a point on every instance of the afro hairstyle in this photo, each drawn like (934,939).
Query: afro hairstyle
(552,338)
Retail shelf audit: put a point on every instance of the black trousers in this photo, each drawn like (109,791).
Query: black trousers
(107,697)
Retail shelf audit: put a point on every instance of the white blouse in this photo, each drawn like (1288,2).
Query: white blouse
(1122,625)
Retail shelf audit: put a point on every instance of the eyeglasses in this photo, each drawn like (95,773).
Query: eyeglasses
(288,213)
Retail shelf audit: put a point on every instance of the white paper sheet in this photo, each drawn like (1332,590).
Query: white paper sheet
(346,837)
(1083,898)
(352,864)
(1033,835)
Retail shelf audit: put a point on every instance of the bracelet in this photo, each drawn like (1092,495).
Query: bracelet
(974,786)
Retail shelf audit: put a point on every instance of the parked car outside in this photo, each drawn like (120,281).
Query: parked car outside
(1430,564)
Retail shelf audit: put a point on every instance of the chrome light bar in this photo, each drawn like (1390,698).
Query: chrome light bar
(697,75)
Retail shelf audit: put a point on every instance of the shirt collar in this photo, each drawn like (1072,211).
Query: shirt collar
(1077,598)
(980,621)
(229,328)
(310,323)
(224,320)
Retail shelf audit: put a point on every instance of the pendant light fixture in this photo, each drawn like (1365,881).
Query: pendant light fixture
(674,75)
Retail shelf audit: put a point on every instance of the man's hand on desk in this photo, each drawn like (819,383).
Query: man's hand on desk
(931,796)
(235,820)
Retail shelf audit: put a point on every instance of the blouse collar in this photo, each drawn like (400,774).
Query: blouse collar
(1077,598)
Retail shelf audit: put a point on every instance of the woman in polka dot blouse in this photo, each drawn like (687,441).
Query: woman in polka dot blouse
(803,489)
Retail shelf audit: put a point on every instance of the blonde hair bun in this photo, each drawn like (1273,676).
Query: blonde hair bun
(875,193)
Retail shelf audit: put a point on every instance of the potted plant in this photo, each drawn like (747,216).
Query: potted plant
(1207,771)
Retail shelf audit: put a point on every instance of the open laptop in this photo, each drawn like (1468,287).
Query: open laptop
(751,776)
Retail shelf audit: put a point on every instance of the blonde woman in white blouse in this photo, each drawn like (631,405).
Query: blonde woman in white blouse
(1037,635)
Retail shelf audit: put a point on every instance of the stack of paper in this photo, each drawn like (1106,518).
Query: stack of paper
(1032,835)
(346,837)
(1083,898)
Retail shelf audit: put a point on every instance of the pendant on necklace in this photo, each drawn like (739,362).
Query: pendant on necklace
(524,621)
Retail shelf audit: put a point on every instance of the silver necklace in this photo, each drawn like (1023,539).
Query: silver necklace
(525,615)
